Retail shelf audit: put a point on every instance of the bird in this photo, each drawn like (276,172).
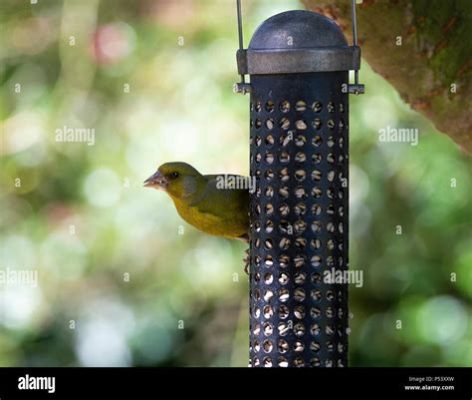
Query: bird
(210,203)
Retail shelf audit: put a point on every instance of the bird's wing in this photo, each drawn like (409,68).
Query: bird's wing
(221,201)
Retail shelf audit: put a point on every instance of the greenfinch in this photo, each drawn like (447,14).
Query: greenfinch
(203,200)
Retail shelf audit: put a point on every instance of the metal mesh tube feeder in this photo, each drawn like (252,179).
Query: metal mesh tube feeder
(299,63)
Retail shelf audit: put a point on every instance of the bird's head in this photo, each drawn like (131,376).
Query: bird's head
(178,179)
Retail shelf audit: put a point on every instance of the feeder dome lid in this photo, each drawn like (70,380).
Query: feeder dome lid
(297,29)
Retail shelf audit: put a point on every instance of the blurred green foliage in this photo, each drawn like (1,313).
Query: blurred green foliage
(122,280)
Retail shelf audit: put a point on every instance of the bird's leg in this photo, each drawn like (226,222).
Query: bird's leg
(246,262)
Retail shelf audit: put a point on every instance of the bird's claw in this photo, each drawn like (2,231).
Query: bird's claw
(246,262)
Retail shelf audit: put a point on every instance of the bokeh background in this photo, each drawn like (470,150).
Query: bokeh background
(122,280)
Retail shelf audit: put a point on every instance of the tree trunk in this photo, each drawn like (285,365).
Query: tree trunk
(423,48)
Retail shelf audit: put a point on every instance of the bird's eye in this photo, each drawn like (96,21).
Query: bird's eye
(174,175)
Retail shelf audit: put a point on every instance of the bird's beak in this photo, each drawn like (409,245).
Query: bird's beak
(157,181)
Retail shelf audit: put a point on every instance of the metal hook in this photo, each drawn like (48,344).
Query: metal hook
(241,87)
(356,88)
(240,31)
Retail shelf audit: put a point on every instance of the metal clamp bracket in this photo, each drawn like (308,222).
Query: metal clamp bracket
(281,61)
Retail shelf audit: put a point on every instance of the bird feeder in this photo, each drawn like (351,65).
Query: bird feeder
(298,63)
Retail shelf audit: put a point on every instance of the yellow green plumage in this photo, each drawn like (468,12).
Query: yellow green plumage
(202,201)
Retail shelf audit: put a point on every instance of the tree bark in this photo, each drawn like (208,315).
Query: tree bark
(423,48)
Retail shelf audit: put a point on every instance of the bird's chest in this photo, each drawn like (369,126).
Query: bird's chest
(203,221)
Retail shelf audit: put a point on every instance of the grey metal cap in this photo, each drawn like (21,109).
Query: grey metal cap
(297,42)
(297,29)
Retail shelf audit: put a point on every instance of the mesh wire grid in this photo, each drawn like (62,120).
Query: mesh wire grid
(299,220)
